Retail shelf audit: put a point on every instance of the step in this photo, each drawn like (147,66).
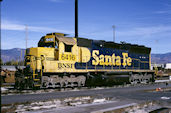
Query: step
(36,79)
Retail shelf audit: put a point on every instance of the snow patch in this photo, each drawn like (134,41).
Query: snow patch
(158,81)
(3,89)
(56,104)
(99,100)
(165,98)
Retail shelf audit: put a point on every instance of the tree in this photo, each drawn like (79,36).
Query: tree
(1,61)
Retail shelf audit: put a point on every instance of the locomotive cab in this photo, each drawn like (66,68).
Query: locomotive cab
(50,40)
(52,47)
(58,42)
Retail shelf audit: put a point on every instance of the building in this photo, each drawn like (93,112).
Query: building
(168,66)
(159,66)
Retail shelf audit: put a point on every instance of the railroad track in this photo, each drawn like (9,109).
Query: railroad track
(13,91)
(52,93)
(93,98)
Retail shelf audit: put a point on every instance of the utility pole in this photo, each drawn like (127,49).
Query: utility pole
(21,58)
(76,18)
(26,34)
(113,33)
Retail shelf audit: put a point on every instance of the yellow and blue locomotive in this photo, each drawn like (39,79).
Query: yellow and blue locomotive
(61,61)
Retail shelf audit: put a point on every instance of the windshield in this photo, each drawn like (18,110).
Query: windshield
(51,44)
(48,42)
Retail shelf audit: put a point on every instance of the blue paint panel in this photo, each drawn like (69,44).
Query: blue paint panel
(136,58)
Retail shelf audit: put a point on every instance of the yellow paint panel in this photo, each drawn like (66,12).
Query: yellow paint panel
(59,66)
(75,51)
(85,54)
(47,52)
(61,34)
(61,47)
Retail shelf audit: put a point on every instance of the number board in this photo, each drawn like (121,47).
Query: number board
(49,39)
(67,57)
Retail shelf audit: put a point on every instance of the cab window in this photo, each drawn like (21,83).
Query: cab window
(68,48)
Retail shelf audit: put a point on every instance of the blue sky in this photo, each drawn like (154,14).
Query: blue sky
(143,22)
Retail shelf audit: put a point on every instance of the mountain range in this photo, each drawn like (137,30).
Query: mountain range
(161,58)
(12,54)
(18,54)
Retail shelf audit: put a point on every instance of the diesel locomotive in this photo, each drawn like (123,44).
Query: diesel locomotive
(61,61)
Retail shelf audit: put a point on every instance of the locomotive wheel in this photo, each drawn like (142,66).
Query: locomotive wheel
(62,84)
(134,81)
(150,78)
(66,84)
(131,80)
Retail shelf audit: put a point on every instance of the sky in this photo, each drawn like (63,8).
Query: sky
(142,22)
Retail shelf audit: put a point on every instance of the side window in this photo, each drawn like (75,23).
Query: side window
(68,48)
